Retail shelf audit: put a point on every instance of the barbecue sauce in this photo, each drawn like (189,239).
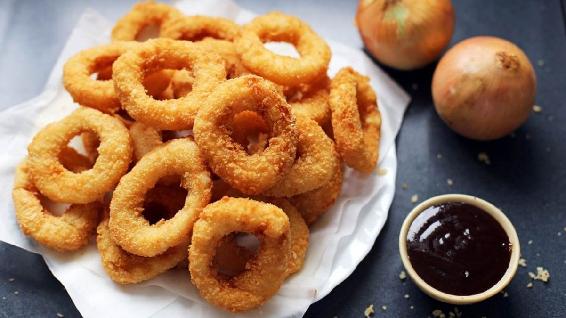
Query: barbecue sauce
(458,248)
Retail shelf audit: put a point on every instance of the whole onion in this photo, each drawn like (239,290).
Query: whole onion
(405,34)
(484,88)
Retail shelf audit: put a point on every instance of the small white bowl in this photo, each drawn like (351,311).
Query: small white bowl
(488,208)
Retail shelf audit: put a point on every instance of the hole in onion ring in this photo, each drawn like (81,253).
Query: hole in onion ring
(54,208)
(233,252)
(282,48)
(80,153)
(251,131)
(163,201)
(167,135)
(149,31)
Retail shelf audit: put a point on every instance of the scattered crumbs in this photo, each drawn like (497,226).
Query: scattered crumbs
(3,297)
(455,314)
(542,274)
(530,285)
(404,186)
(532,275)
(438,156)
(369,311)
(483,157)
(11,279)
(407,296)
(414,198)
(540,62)
(381,171)
(412,307)
(415,86)
(505,294)
(559,234)
(522,262)
(60,315)
(402,275)
(16,292)
(449,182)
(530,242)
(537,109)
(437,313)
(384,308)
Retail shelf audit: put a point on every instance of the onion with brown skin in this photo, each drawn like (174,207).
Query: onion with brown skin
(405,34)
(484,88)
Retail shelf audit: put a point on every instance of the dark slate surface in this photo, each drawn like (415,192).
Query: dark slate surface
(527,176)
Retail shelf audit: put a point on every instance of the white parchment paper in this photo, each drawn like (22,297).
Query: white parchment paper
(338,242)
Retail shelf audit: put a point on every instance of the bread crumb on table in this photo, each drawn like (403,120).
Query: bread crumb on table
(542,275)
(522,262)
(369,311)
(530,285)
(60,315)
(402,275)
(449,182)
(384,308)
(415,198)
(407,296)
(483,157)
(537,109)
(437,313)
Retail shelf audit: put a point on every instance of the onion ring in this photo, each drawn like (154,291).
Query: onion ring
(173,114)
(314,203)
(126,268)
(316,161)
(298,235)
(311,100)
(142,14)
(196,28)
(265,272)
(356,121)
(92,92)
(60,184)
(68,232)
(251,174)
(284,70)
(128,227)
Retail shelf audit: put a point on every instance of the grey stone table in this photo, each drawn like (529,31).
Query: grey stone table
(526,178)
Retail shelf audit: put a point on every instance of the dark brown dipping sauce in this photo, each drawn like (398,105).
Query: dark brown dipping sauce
(458,248)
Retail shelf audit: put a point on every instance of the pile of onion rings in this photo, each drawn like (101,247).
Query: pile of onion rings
(200,145)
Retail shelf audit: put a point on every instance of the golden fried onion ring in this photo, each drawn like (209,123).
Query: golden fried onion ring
(91,92)
(173,114)
(311,100)
(314,203)
(126,268)
(284,70)
(265,272)
(129,228)
(196,28)
(356,121)
(251,174)
(68,232)
(316,161)
(143,14)
(62,185)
